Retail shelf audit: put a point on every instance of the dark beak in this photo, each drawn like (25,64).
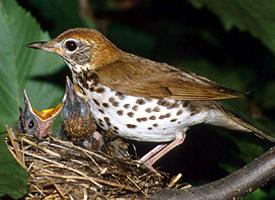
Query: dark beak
(37,45)
(28,106)
(44,45)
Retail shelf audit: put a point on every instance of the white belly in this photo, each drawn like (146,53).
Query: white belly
(140,118)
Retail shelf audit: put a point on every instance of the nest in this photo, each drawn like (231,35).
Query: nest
(59,169)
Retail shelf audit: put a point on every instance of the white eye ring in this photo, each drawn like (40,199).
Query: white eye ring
(71,45)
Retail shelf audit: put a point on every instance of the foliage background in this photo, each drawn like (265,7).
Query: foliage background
(230,41)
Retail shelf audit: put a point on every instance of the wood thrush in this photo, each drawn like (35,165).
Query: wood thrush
(140,99)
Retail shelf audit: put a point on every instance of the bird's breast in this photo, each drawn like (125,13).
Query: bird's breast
(138,118)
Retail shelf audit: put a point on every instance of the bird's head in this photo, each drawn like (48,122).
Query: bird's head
(82,49)
(34,122)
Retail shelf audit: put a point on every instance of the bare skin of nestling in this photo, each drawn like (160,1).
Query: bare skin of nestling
(138,98)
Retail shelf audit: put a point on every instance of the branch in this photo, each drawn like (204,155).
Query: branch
(234,186)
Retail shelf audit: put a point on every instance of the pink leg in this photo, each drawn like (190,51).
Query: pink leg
(152,152)
(161,150)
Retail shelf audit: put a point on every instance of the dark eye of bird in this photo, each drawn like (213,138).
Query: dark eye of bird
(31,124)
(71,45)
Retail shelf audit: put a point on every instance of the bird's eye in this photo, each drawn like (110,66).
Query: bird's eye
(71,45)
(31,124)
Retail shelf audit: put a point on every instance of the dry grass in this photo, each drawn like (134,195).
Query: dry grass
(61,170)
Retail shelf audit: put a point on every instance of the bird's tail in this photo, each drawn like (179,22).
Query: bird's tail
(228,120)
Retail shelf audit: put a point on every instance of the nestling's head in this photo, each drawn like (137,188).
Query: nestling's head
(81,48)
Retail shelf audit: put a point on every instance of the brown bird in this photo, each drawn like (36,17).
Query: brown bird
(34,122)
(76,114)
(138,98)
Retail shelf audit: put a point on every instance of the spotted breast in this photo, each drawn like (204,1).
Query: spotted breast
(137,118)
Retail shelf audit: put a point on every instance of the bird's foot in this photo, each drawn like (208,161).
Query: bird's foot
(160,150)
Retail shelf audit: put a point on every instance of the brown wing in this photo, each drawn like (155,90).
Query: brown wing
(138,76)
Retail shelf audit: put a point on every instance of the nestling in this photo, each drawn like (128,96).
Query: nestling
(34,122)
(140,99)
(79,125)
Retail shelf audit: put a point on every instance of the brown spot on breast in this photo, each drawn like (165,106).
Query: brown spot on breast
(100,110)
(111,99)
(141,119)
(140,101)
(180,111)
(114,131)
(120,112)
(148,110)
(152,117)
(163,102)
(185,104)
(101,124)
(156,109)
(127,105)
(173,120)
(130,114)
(131,126)
(115,103)
(96,102)
(107,120)
(100,90)
(150,128)
(90,76)
(120,95)
(134,108)
(92,88)
(105,105)
(155,125)
(174,105)
(194,109)
(165,116)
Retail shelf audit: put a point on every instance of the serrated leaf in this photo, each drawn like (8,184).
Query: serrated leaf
(19,65)
(254,16)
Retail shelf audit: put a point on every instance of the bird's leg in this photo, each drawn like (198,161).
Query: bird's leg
(155,154)
(152,152)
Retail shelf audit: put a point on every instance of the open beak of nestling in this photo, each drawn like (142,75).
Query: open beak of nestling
(45,45)
(36,122)
(70,93)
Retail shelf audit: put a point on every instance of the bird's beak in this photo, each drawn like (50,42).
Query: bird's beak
(70,93)
(44,45)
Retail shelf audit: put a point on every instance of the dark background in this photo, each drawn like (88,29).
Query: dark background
(194,39)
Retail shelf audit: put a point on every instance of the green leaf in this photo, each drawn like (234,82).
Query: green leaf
(257,194)
(13,179)
(254,16)
(19,65)
(18,68)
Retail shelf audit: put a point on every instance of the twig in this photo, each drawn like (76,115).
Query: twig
(174,180)
(64,167)
(41,148)
(234,186)
(15,146)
